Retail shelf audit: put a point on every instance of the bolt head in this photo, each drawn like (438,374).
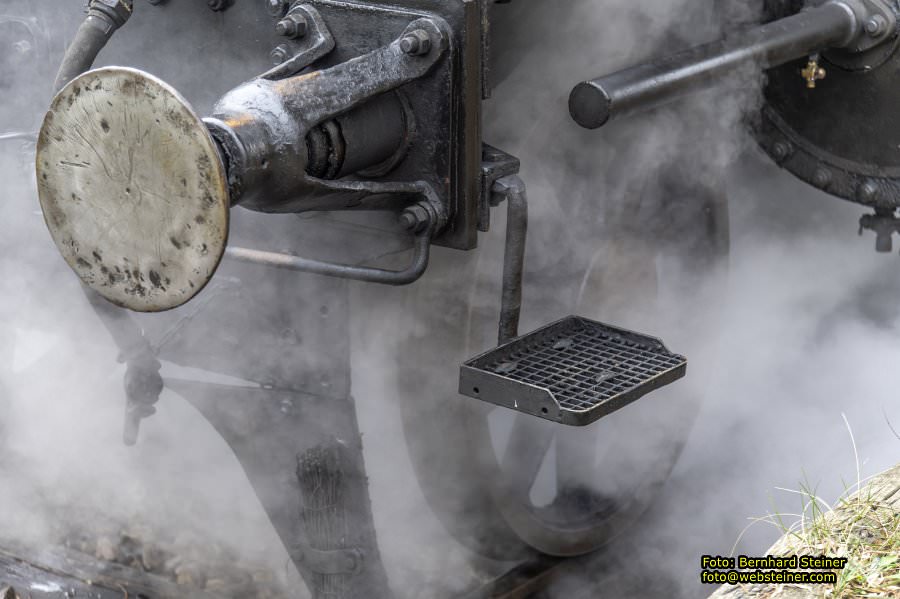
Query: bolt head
(217,5)
(280,54)
(868,192)
(781,150)
(876,25)
(407,221)
(292,26)
(416,43)
(822,177)
(414,219)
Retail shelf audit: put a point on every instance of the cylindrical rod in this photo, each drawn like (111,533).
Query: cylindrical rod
(593,103)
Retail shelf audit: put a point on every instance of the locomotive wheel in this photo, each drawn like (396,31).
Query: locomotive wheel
(488,473)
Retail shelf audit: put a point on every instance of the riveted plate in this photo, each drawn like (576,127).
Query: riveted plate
(843,136)
(133,189)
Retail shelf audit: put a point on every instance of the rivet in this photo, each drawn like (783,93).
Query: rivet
(781,151)
(868,192)
(822,177)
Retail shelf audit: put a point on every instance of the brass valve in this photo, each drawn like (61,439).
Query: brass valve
(813,72)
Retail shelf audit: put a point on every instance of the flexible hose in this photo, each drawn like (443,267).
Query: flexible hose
(104,18)
(143,383)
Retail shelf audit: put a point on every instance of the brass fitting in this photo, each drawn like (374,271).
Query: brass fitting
(812,73)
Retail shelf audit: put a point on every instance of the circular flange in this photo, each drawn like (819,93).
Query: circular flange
(843,136)
(133,189)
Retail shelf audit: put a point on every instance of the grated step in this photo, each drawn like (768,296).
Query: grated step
(573,371)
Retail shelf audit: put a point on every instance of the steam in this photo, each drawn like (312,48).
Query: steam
(803,329)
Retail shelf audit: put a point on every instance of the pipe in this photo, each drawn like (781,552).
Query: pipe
(104,18)
(512,189)
(364,274)
(593,103)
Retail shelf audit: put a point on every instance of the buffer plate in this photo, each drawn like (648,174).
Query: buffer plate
(132,188)
(573,371)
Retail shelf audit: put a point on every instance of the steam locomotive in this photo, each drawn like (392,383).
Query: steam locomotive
(353,136)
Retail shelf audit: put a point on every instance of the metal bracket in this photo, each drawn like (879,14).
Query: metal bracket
(315,44)
(374,73)
(495,164)
(884,223)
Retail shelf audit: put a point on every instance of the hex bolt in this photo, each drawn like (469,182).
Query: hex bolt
(416,43)
(414,219)
(292,26)
(280,54)
(876,25)
(277,8)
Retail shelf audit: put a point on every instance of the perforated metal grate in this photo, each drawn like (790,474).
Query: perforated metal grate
(572,371)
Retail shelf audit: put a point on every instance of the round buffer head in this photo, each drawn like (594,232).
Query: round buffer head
(133,189)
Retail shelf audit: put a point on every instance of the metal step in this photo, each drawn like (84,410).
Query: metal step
(573,371)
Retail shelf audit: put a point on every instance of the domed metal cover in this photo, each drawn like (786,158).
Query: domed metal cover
(133,189)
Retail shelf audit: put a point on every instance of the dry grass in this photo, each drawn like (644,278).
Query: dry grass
(863,526)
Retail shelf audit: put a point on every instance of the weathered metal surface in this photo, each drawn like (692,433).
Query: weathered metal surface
(832,63)
(841,137)
(133,189)
(573,371)
(445,144)
(593,103)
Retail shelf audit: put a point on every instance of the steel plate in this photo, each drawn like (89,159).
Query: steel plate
(133,189)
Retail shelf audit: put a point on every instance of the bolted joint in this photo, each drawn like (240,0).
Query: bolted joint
(292,26)
(416,43)
(115,12)
(876,25)
(415,219)
(281,54)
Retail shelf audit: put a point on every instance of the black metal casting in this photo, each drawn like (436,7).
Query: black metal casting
(832,24)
